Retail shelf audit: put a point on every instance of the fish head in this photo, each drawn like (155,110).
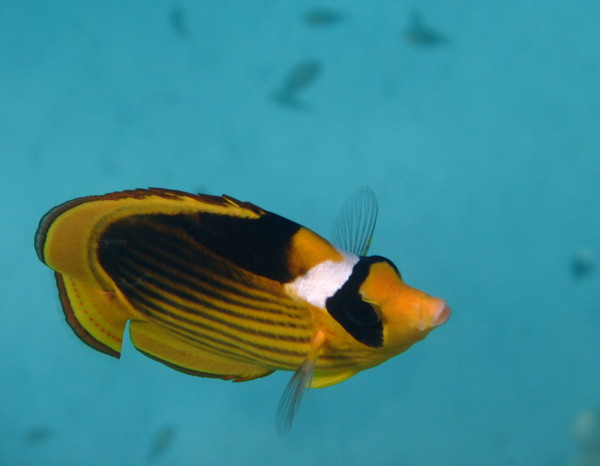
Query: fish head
(407,314)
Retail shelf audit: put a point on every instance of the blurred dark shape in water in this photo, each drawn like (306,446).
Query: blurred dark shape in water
(586,431)
(322,17)
(582,263)
(37,435)
(421,35)
(161,442)
(177,21)
(301,76)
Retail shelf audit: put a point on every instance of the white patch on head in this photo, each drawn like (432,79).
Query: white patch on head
(324,279)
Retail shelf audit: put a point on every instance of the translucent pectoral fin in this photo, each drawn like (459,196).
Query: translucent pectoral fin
(295,389)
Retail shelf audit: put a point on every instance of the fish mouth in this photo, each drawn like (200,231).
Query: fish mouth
(433,314)
(443,315)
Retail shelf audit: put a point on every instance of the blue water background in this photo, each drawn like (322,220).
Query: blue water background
(484,154)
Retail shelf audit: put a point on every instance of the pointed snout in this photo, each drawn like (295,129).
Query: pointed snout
(434,312)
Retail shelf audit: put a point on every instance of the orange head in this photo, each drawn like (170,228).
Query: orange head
(407,314)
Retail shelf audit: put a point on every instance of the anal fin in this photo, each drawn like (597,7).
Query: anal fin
(327,380)
(164,346)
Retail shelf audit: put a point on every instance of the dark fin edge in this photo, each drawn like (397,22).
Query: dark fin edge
(79,330)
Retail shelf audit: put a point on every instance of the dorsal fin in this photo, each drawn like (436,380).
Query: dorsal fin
(354,225)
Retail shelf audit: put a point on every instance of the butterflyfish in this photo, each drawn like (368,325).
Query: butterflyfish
(216,287)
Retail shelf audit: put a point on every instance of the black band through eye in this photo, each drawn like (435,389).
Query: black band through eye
(362,313)
(360,319)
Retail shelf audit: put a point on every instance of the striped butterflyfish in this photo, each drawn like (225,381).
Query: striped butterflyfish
(216,287)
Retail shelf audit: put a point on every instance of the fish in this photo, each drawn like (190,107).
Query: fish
(299,77)
(420,34)
(322,17)
(217,287)
(161,443)
(37,435)
(582,263)
(177,20)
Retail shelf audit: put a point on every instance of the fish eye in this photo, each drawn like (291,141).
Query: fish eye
(364,313)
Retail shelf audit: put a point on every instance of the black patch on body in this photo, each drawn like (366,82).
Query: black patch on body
(259,246)
(359,318)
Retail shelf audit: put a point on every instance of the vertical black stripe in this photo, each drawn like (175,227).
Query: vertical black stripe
(359,318)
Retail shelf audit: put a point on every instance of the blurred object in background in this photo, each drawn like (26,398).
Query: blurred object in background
(420,34)
(587,434)
(161,442)
(177,21)
(301,76)
(322,17)
(582,263)
(37,435)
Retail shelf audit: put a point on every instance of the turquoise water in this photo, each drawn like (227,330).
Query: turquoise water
(483,149)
